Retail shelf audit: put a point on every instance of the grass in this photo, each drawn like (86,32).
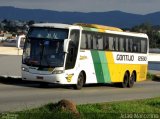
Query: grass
(150,76)
(118,108)
(153,77)
(110,110)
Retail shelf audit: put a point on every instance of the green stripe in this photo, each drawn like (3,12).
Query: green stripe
(90,29)
(97,66)
(101,66)
(86,28)
(94,29)
(104,63)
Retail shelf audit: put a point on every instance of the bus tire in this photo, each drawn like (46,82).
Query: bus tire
(80,82)
(124,84)
(131,80)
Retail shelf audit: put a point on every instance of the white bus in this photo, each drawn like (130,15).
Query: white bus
(84,54)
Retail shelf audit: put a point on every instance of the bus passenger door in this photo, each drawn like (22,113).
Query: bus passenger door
(72,49)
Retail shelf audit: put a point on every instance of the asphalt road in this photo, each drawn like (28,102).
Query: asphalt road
(10,65)
(24,95)
(18,96)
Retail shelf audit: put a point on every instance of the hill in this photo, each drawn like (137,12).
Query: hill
(112,18)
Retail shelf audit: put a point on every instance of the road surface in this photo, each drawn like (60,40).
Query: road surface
(24,95)
(10,61)
(10,65)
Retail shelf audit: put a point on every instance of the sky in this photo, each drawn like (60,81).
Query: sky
(129,6)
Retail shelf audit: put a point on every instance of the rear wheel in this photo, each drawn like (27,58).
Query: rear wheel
(131,80)
(80,82)
(125,80)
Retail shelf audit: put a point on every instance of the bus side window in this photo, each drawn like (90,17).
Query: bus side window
(121,44)
(106,43)
(83,41)
(95,43)
(111,44)
(126,44)
(143,45)
(100,41)
(130,44)
(89,41)
(137,45)
(115,44)
(134,47)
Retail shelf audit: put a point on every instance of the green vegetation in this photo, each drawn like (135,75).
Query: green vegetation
(112,110)
(150,76)
(153,33)
(153,77)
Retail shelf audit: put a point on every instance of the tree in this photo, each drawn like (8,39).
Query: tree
(152,32)
(31,22)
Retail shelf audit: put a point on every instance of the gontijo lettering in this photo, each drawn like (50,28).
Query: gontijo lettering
(125,57)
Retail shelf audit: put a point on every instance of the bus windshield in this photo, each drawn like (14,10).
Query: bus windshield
(44,51)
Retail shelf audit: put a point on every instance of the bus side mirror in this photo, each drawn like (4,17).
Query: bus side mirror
(19,40)
(66,44)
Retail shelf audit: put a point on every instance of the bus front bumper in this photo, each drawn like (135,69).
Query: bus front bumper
(50,78)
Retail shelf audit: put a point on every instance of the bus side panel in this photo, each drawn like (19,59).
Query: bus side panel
(100,67)
(117,70)
(95,64)
(142,73)
(87,65)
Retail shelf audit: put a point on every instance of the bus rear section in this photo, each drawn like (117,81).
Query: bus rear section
(114,56)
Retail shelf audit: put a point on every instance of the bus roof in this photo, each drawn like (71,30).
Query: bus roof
(109,29)
(91,27)
(52,25)
(97,26)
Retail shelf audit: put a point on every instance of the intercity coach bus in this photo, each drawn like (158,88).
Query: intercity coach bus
(82,53)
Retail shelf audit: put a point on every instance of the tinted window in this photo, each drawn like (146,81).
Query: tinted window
(111,42)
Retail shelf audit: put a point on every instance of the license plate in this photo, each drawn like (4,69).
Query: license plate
(40,77)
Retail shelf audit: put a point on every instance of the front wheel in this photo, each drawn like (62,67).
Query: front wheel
(80,82)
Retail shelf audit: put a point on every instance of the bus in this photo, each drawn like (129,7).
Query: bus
(82,54)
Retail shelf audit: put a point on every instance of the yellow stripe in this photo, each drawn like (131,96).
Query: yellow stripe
(101,30)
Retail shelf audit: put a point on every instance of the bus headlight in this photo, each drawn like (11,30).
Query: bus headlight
(25,69)
(58,72)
